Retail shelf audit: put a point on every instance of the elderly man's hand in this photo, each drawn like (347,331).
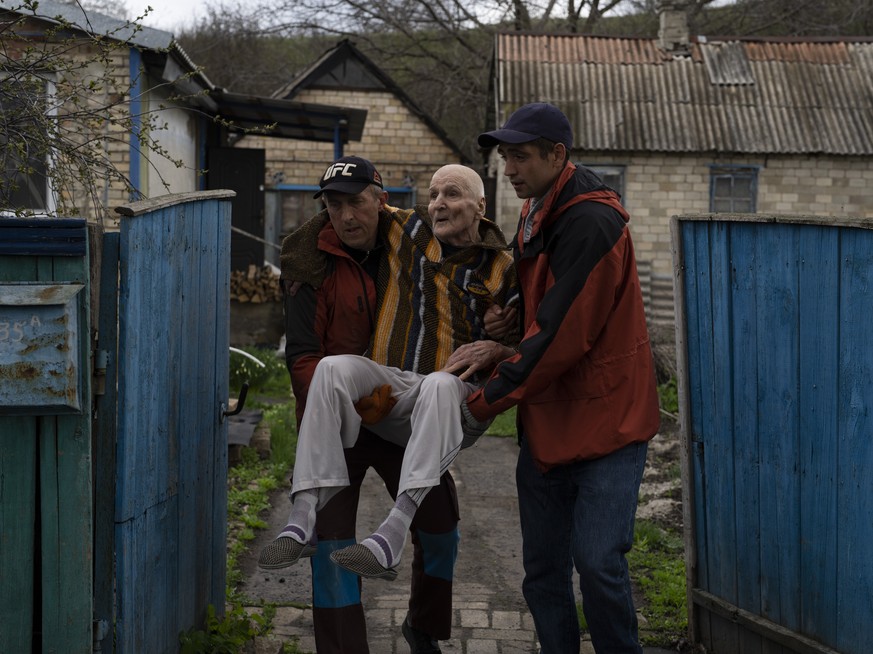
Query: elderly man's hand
(476,356)
(291,287)
(500,321)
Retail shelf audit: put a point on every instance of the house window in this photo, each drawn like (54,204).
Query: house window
(24,151)
(612,176)
(733,189)
(402,197)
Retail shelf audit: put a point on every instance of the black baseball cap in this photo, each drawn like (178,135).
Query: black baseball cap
(349,175)
(530,122)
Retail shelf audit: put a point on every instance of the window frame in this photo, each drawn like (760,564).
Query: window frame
(48,81)
(733,173)
(610,169)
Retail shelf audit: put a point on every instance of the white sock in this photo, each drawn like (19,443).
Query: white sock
(301,520)
(387,542)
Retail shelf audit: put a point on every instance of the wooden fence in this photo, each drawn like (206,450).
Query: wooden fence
(113,532)
(775,351)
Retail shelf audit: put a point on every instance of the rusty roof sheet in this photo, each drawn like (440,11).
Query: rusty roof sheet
(726,96)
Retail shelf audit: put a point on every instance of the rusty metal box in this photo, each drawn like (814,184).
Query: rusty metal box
(39,348)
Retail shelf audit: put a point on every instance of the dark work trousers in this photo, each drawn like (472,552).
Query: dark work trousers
(338,614)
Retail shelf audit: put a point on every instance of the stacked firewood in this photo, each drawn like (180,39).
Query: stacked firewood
(255,285)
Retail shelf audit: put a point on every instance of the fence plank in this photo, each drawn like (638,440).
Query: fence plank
(695,246)
(18,440)
(189,321)
(18,510)
(719,448)
(105,436)
(744,362)
(818,342)
(66,499)
(221,361)
(146,620)
(855,505)
(778,348)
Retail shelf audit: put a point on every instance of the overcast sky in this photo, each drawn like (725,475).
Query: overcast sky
(169,15)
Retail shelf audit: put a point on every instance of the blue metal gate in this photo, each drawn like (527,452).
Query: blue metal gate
(775,345)
(169,517)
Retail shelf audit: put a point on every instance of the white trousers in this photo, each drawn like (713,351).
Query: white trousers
(426,421)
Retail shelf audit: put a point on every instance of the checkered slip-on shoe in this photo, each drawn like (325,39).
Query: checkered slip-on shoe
(283,552)
(358,559)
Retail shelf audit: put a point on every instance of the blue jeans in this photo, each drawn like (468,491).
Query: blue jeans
(582,515)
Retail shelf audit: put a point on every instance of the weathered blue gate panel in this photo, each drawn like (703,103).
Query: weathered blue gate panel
(45,459)
(776,382)
(172,444)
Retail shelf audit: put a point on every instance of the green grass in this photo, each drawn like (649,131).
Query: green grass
(657,566)
(281,420)
(668,396)
(271,379)
(248,499)
(503,425)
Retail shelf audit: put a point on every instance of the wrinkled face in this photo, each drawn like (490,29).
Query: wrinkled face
(530,174)
(355,217)
(457,202)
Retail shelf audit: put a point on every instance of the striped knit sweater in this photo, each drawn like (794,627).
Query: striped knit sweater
(428,306)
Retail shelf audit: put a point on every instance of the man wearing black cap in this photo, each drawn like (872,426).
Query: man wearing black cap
(336,257)
(583,379)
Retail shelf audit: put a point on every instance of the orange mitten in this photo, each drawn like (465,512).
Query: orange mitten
(374,407)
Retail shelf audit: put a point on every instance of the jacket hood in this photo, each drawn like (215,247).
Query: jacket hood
(300,259)
(575,184)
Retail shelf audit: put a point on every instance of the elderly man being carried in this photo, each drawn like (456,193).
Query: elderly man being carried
(446,266)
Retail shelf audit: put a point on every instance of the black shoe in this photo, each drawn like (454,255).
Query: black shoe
(419,642)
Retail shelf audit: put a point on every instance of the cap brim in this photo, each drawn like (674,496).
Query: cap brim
(352,188)
(490,139)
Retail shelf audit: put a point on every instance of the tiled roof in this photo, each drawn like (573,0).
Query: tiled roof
(724,95)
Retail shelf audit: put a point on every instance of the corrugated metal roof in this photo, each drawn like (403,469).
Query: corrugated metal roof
(94,22)
(727,96)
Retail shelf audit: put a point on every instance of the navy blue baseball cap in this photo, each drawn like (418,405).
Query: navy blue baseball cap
(530,122)
(349,175)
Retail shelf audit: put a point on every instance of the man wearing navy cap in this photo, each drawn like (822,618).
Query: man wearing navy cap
(583,380)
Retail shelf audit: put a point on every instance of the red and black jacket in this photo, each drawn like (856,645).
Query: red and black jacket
(583,377)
